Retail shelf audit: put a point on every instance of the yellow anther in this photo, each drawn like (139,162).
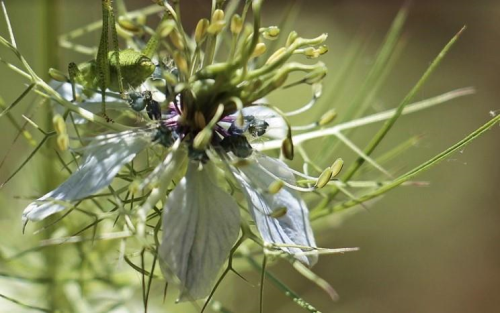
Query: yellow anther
(279,212)
(275,187)
(201,30)
(260,49)
(218,16)
(324,178)
(202,139)
(328,117)
(337,167)
(199,120)
(129,25)
(58,75)
(236,24)
(276,55)
(291,38)
(217,23)
(287,148)
(63,142)
(323,49)
(59,124)
(176,39)
(311,53)
(271,33)
(181,62)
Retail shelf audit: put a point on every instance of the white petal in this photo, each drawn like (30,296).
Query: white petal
(100,165)
(277,126)
(92,104)
(201,223)
(293,228)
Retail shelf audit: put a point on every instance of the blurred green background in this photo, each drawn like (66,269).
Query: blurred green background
(427,249)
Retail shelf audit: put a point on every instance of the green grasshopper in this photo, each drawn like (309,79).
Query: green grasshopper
(113,69)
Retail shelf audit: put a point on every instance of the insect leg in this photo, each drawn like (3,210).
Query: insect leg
(102,61)
(74,75)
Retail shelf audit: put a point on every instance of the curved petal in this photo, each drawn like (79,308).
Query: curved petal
(201,223)
(292,228)
(101,163)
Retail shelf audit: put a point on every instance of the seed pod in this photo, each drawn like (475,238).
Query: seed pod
(201,30)
(324,178)
(275,187)
(337,167)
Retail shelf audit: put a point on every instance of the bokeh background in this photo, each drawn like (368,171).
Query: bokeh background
(427,249)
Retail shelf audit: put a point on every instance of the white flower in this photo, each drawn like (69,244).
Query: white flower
(201,221)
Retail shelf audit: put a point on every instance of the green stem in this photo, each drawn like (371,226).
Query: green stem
(411,174)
